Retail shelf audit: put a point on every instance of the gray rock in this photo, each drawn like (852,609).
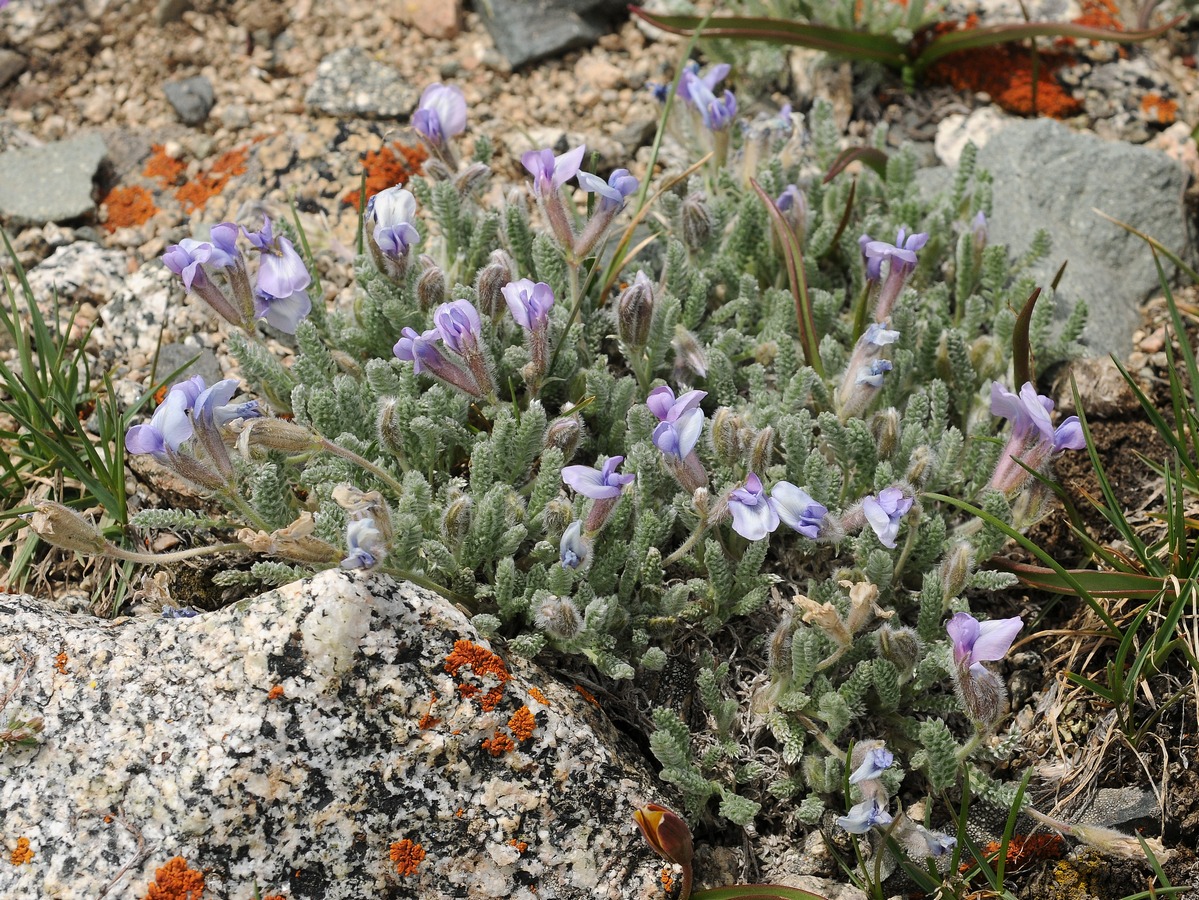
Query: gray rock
(167,11)
(81,272)
(51,183)
(1047,176)
(292,739)
(528,30)
(133,319)
(349,83)
(172,356)
(192,99)
(12,64)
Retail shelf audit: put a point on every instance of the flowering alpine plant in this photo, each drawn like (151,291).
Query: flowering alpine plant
(615,449)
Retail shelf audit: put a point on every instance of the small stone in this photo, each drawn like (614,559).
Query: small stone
(52,183)
(192,99)
(440,19)
(956,131)
(168,11)
(598,73)
(349,83)
(12,64)
(1101,388)
(235,116)
(526,31)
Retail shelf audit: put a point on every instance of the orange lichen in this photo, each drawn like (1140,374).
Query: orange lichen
(1099,14)
(492,698)
(522,724)
(458,813)
(166,169)
(427,721)
(481,661)
(175,881)
(197,192)
(466,691)
(1028,848)
(539,697)
(667,880)
(22,854)
(1159,109)
(274,897)
(275,692)
(60,663)
(1005,72)
(586,695)
(128,207)
(498,744)
(386,167)
(407,857)
(520,846)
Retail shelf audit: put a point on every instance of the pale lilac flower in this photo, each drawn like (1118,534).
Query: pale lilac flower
(551,172)
(877,761)
(529,303)
(864,816)
(187,259)
(878,335)
(662,403)
(459,325)
(574,551)
(794,206)
(167,429)
(612,193)
(393,211)
(884,513)
(283,313)
(901,254)
(191,388)
(441,113)
(872,375)
(419,349)
(1034,439)
(754,515)
(677,439)
(365,544)
(212,404)
(280,296)
(980,232)
(717,113)
(598,484)
(938,844)
(797,509)
(977,642)
(224,242)
(708,80)
(1022,410)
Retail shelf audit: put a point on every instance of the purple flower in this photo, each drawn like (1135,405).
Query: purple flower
(877,761)
(612,192)
(191,388)
(284,313)
(529,303)
(280,295)
(551,172)
(441,113)
(878,335)
(662,403)
(797,509)
(708,80)
(393,211)
(864,816)
(873,374)
(187,259)
(459,325)
(754,515)
(977,642)
(168,428)
(574,551)
(937,844)
(1029,414)
(597,484)
(212,404)
(791,197)
(224,242)
(717,113)
(419,349)
(884,513)
(365,545)
(902,253)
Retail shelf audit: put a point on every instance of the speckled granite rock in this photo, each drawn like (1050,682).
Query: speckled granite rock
(79,272)
(350,83)
(295,739)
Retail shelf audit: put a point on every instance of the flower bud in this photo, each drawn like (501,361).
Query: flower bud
(762,450)
(666,833)
(918,467)
(690,361)
(557,515)
(701,502)
(725,434)
(697,221)
(559,618)
(982,694)
(456,521)
(472,178)
(901,646)
(635,312)
(437,170)
(489,286)
(391,432)
(196,472)
(277,434)
(778,652)
(430,287)
(565,434)
(886,431)
(63,527)
(955,569)
(978,228)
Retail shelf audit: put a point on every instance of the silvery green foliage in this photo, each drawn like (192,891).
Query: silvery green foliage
(470,497)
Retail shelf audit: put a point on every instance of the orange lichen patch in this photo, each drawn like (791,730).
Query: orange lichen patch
(197,192)
(60,663)
(498,744)
(407,857)
(274,897)
(1100,14)
(128,207)
(520,846)
(1159,109)
(275,692)
(1023,849)
(522,724)
(1006,73)
(175,881)
(539,697)
(386,167)
(458,813)
(587,695)
(667,880)
(465,691)
(427,721)
(492,698)
(22,854)
(481,661)
(166,169)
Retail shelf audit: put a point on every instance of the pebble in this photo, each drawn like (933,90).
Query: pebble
(191,98)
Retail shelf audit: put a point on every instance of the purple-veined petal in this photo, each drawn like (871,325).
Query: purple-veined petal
(995,639)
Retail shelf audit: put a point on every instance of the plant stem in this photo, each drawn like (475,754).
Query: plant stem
(688,545)
(159,559)
(380,473)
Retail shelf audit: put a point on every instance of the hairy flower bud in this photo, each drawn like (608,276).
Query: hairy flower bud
(666,833)
(886,431)
(726,436)
(472,178)
(900,645)
(565,434)
(391,433)
(436,169)
(635,312)
(557,515)
(919,466)
(196,472)
(489,286)
(456,521)
(690,361)
(63,527)
(277,434)
(559,618)
(761,451)
(430,287)
(697,221)
(778,651)
(955,569)
(982,694)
